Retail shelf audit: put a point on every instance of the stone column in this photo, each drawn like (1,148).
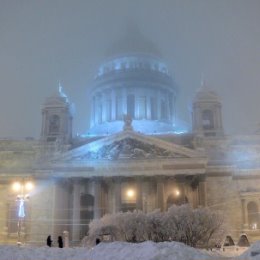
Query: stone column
(160,194)
(220,116)
(43,132)
(202,193)
(92,120)
(136,97)
(148,107)
(97,199)
(159,105)
(103,107)
(76,211)
(173,108)
(168,109)
(113,105)
(117,196)
(146,200)
(244,214)
(96,109)
(139,196)
(124,101)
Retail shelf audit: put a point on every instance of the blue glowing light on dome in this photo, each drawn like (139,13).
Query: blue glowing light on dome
(117,65)
(180,132)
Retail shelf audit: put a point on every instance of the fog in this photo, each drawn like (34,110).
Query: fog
(44,42)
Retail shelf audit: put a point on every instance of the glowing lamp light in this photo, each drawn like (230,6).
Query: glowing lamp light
(177,192)
(16,186)
(29,186)
(130,193)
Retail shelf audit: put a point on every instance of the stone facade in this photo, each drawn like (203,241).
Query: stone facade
(79,179)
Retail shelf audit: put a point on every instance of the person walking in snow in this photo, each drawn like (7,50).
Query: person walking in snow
(97,241)
(49,241)
(60,242)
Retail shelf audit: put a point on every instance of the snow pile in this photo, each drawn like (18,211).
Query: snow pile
(106,251)
(145,251)
(41,253)
(252,253)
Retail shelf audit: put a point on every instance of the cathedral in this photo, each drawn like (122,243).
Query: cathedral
(135,155)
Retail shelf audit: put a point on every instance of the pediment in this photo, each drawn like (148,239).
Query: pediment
(128,145)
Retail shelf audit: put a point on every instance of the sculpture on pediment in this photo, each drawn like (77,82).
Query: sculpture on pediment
(128,123)
(129,148)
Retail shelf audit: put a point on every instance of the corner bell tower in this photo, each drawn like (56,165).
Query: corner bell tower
(57,119)
(206,113)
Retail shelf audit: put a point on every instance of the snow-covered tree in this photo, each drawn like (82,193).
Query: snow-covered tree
(193,227)
(155,229)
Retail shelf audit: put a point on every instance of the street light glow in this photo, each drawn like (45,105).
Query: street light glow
(177,192)
(21,188)
(29,185)
(130,193)
(16,186)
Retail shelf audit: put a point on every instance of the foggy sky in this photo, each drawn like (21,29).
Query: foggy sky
(44,41)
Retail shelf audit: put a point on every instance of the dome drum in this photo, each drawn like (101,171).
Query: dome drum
(147,96)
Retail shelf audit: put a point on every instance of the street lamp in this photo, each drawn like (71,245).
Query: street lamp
(177,193)
(22,189)
(130,193)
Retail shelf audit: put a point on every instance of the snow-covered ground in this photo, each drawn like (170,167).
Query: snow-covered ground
(120,251)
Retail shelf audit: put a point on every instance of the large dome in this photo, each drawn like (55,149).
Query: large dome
(136,84)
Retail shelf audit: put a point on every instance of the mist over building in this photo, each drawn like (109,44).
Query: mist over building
(137,154)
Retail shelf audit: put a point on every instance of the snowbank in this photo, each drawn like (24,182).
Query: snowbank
(252,253)
(110,251)
(145,251)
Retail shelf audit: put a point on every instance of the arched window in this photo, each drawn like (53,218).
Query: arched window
(207,120)
(54,125)
(253,216)
(176,199)
(86,213)
(229,241)
(243,241)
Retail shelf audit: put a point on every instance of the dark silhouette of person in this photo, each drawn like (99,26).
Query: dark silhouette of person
(97,241)
(49,241)
(60,242)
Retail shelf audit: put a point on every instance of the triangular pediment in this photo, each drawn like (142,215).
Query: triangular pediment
(128,145)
